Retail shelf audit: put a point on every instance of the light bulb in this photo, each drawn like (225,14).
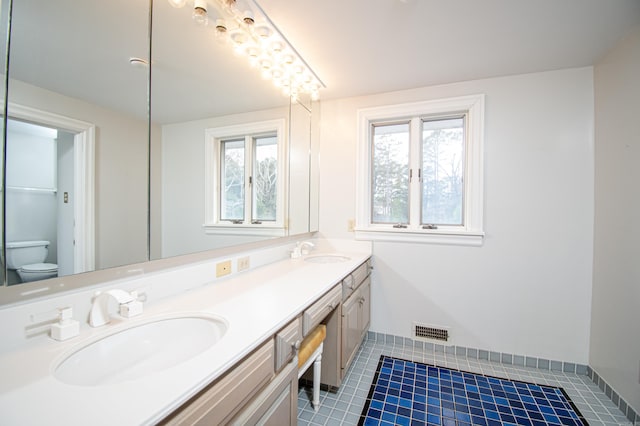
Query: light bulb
(263,31)
(177,3)
(247,17)
(265,63)
(221,27)
(252,53)
(200,13)
(277,73)
(287,59)
(277,47)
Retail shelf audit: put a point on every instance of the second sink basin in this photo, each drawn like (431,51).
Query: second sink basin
(140,350)
(327,258)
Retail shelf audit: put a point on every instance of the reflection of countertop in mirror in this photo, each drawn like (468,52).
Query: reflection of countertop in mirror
(255,304)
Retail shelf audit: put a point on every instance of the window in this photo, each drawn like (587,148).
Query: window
(245,176)
(420,172)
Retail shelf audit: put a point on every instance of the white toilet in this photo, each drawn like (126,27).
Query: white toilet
(27,258)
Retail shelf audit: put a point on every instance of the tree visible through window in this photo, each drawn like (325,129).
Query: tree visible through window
(442,171)
(266,179)
(232,194)
(390,173)
(245,176)
(259,155)
(439,171)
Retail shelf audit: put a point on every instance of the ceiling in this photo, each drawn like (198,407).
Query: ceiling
(360,47)
(82,47)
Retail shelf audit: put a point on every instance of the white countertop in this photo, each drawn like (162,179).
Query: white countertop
(255,304)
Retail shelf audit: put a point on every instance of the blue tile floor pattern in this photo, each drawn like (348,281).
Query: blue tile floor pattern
(407,393)
(344,406)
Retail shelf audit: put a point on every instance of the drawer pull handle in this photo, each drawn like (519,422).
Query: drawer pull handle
(295,346)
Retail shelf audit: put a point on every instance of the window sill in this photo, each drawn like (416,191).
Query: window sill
(248,230)
(444,237)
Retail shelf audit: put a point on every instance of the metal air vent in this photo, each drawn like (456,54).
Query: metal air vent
(422,331)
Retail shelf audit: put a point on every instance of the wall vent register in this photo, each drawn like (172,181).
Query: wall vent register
(429,332)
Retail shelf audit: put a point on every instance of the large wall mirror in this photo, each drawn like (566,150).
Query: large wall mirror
(110,170)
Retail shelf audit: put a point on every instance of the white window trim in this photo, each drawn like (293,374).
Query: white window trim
(472,232)
(212,223)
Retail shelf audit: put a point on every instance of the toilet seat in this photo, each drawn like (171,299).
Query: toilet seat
(39,268)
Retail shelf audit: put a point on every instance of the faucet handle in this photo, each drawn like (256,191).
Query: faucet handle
(306,247)
(132,308)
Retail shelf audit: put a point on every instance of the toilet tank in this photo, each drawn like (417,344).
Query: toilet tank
(26,252)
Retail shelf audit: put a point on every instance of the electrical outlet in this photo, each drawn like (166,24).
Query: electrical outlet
(223,268)
(243,263)
(351,225)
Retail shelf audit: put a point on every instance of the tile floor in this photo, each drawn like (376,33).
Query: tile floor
(345,406)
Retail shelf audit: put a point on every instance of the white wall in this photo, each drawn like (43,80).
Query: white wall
(615,330)
(527,290)
(121,172)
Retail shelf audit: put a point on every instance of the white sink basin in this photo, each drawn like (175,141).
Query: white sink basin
(327,258)
(140,350)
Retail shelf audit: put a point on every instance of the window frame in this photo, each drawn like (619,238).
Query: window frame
(471,233)
(249,131)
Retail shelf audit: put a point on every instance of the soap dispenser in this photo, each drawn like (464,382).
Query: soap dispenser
(66,327)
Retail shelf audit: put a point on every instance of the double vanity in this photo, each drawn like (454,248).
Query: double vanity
(221,351)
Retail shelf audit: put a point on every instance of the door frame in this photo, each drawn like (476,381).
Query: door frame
(83,178)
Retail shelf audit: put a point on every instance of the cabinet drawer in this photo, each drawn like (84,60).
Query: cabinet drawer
(353,280)
(287,341)
(319,310)
(361,273)
(221,400)
(276,405)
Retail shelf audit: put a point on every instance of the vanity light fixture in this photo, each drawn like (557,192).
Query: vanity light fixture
(252,34)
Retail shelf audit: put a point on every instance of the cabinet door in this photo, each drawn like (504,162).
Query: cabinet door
(350,329)
(365,304)
(277,404)
(224,398)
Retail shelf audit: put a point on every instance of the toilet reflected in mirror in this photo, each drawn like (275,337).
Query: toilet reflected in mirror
(27,258)
(39,201)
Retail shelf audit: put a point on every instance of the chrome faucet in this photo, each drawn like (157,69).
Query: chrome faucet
(129,306)
(302,248)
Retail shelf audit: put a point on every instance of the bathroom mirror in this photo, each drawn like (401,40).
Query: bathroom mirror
(77,133)
(200,85)
(74,68)
(4,36)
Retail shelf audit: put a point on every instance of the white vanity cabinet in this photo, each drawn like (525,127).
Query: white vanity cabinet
(222,400)
(356,310)
(355,322)
(346,326)
(263,387)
